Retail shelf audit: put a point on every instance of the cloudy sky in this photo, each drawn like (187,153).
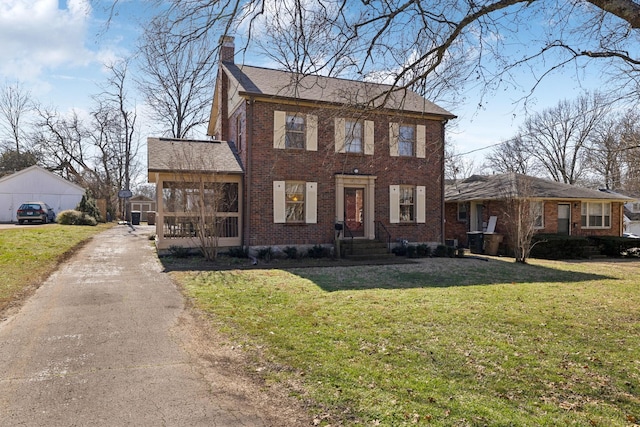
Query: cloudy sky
(57,49)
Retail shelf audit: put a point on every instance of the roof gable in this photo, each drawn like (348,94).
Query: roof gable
(34,174)
(496,187)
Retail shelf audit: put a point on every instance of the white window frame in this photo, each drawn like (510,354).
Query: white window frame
(588,215)
(281,120)
(282,206)
(406,189)
(419,204)
(353,136)
(239,133)
(537,212)
(419,143)
(463,208)
(295,132)
(406,140)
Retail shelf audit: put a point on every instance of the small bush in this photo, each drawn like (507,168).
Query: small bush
(291,252)
(179,251)
(424,250)
(317,251)
(412,251)
(265,254)
(441,251)
(73,217)
(399,250)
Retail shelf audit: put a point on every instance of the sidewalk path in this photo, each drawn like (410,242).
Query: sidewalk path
(94,347)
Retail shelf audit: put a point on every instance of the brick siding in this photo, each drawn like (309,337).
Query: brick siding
(264,164)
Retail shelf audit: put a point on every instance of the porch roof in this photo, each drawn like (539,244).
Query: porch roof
(171,155)
(496,187)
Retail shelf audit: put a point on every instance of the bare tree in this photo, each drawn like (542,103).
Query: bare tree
(417,38)
(61,140)
(558,137)
(15,104)
(456,166)
(630,140)
(510,156)
(177,78)
(606,155)
(521,214)
(114,132)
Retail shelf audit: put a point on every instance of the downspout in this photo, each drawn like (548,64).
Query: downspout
(442,209)
(246,177)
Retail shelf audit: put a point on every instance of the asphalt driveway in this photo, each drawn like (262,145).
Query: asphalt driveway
(96,345)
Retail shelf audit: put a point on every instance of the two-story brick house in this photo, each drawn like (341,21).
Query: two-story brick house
(319,151)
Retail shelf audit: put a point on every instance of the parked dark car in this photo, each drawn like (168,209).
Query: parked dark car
(35,211)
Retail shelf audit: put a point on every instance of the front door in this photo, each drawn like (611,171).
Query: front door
(477,216)
(564,219)
(354,211)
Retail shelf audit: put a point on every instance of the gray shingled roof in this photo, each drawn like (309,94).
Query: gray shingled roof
(275,83)
(494,187)
(166,155)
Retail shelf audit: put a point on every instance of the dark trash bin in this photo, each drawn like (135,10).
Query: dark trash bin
(135,217)
(476,242)
(151,218)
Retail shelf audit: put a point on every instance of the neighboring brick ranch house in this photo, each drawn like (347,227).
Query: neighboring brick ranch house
(321,154)
(558,208)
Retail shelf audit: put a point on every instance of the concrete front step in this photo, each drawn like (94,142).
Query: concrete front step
(364,249)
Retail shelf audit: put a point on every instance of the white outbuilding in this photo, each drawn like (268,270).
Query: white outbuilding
(36,184)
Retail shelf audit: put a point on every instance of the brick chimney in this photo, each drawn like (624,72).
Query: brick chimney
(227,48)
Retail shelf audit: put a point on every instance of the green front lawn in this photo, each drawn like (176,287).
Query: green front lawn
(441,342)
(29,254)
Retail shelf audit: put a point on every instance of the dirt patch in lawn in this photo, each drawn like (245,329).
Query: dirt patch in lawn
(234,373)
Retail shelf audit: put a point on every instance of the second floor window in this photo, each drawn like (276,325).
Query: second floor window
(295,132)
(353,137)
(406,140)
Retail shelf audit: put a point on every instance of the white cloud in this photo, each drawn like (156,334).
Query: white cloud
(37,35)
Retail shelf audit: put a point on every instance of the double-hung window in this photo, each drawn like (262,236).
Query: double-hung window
(295,202)
(537,214)
(462,212)
(596,215)
(406,140)
(353,136)
(407,203)
(295,131)
(294,199)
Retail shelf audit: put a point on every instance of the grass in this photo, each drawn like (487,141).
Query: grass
(29,254)
(441,342)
